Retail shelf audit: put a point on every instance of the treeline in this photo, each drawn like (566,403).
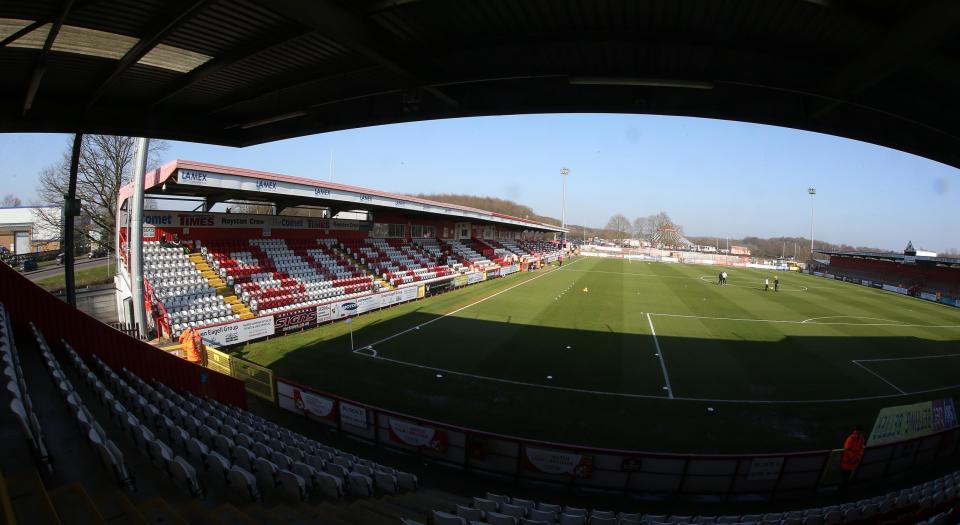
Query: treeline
(775,246)
(508,207)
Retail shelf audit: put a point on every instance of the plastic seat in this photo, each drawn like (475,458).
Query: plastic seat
(386,482)
(185,476)
(443,518)
(495,518)
(486,505)
(292,485)
(329,486)
(243,483)
(469,513)
(360,485)
(572,519)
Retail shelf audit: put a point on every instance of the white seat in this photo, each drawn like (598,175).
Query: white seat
(407,481)
(292,485)
(243,483)
(513,510)
(360,485)
(596,520)
(386,482)
(216,464)
(329,486)
(266,473)
(160,454)
(185,476)
(572,519)
(443,518)
(541,515)
(495,518)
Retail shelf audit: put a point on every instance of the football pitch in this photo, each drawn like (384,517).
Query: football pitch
(641,356)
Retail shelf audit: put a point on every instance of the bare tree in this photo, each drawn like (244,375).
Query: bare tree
(643,228)
(106,163)
(10,200)
(620,224)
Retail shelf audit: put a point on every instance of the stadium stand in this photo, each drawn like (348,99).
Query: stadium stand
(933,502)
(186,297)
(201,283)
(201,456)
(921,277)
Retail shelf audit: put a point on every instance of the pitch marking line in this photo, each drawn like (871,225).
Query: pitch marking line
(651,396)
(663,362)
(880,377)
(851,317)
(806,322)
(462,308)
(905,358)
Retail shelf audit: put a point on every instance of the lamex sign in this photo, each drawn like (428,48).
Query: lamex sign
(192,177)
(266,184)
(236,220)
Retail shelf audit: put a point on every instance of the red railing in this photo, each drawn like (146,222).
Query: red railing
(26,302)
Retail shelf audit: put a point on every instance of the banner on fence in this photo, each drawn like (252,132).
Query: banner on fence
(419,436)
(909,421)
(897,289)
(475,277)
(461,280)
(550,461)
(294,320)
(765,469)
(507,270)
(353,415)
(313,404)
(239,332)
(928,296)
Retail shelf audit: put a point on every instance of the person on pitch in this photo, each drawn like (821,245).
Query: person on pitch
(766,284)
(776,283)
(723,276)
(720,278)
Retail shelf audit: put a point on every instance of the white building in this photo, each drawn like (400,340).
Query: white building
(23,230)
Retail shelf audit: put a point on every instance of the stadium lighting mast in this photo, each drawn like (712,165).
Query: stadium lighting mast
(563,205)
(811,191)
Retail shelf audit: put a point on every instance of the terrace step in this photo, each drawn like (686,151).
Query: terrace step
(74,506)
(29,500)
(117,509)
(157,511)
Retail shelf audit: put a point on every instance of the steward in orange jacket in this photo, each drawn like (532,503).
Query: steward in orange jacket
(192,345)
(853,448)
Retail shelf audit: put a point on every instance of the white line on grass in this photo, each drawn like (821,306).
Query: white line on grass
(651,396)
(851,317)
(663,361)
(462,308)
(880,377)
(904,358)
(788,321)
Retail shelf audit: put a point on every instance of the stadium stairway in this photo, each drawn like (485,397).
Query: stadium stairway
(217,283)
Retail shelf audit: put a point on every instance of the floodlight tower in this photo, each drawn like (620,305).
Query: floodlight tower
(563,205)
(811,191)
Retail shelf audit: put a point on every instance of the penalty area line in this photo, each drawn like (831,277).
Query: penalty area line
(880,377)
(663,361)
(458,310)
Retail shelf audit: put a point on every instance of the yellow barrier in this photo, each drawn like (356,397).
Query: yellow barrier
(258,379)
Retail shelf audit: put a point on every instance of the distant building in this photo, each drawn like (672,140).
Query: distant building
(23,230)
(739,250)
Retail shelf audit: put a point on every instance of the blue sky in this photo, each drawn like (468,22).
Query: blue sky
(716,178)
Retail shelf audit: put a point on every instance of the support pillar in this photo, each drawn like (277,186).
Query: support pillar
(71,209)
(136,236)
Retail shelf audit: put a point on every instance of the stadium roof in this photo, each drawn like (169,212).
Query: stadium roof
(215,184)
(896,257)
(249,71)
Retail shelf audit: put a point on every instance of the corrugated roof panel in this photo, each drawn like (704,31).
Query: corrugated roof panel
(125,17)
(226,25)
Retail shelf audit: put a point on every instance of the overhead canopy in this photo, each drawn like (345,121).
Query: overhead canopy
(218,184)
(249,71)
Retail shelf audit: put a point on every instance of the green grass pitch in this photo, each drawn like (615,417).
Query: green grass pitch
(633,355)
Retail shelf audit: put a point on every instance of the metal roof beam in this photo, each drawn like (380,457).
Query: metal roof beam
(356,34)
(41,67)
(181,14)
(232,57)
(922,32)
